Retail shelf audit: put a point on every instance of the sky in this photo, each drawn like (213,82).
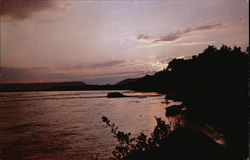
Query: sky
(103,42)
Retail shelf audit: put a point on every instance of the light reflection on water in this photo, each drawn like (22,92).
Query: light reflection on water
(67,124)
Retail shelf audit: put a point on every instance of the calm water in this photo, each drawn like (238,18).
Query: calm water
(67,125)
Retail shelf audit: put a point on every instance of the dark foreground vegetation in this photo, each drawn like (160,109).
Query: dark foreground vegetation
(213,86)
(162,144)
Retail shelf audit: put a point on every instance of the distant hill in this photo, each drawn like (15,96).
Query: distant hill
(127,81)
(16,87)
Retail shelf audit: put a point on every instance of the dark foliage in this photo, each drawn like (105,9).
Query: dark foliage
(137,147)
(214,69)
(213,85)
(183,143)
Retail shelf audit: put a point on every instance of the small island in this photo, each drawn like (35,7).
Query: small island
(115,95)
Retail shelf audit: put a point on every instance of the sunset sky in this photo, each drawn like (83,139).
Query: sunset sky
(102,42)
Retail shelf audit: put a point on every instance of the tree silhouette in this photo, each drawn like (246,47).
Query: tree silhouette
(213,84)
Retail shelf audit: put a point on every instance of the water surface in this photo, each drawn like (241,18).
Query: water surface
(67,124)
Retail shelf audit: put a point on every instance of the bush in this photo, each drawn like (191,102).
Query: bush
(130,147)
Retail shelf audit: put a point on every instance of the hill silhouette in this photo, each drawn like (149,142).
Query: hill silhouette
(46,86)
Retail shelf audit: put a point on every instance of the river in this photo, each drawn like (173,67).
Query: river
(67,124)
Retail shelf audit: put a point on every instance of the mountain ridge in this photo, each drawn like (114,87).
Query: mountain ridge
(39,86)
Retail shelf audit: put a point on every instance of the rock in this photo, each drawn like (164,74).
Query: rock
(115,95)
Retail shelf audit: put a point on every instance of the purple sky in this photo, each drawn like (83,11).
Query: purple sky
(101,42)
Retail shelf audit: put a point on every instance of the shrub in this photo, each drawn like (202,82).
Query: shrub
(129,146)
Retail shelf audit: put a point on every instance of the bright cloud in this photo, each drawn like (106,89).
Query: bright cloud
(171,37)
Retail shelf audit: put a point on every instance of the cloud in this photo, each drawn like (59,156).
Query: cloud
(111,63)
(164,63)
(167,60)
(116,74)
(18,10)
(46,21)
(44,74)
(35,74)
(107,64)
(195,43)
(208,27)
(101,78)
(171,37)
(12,75)
(145,37)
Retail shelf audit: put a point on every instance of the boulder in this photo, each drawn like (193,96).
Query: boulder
(115,95)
